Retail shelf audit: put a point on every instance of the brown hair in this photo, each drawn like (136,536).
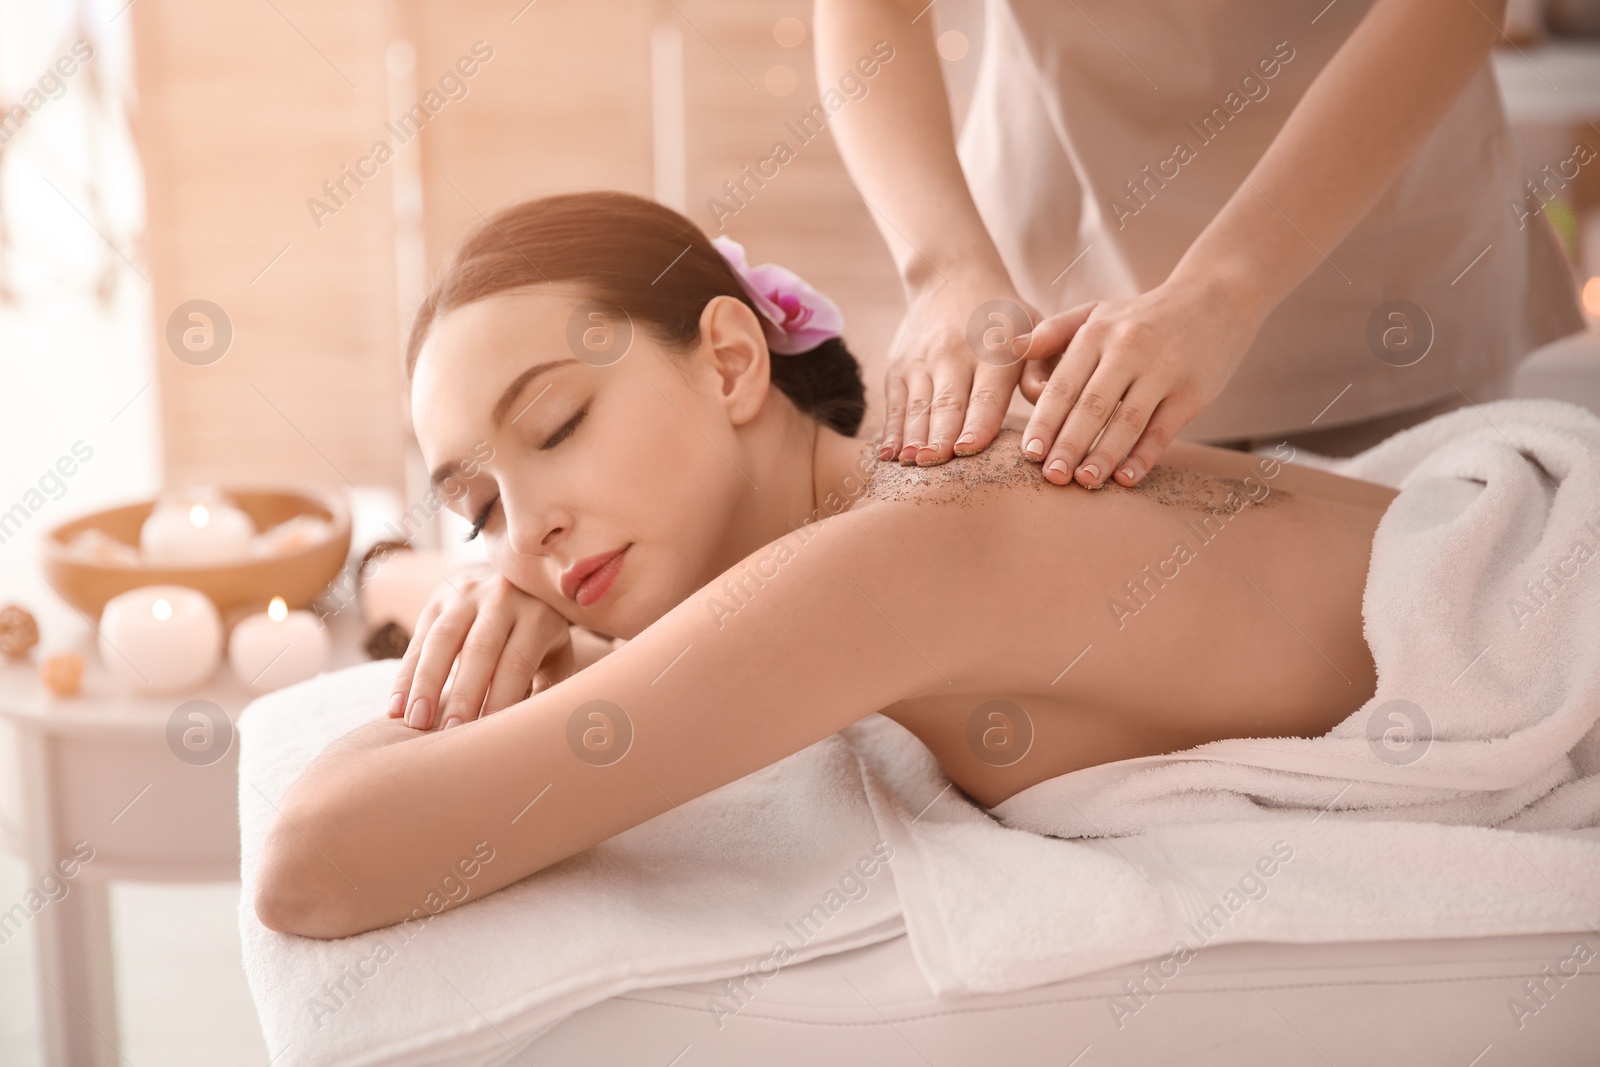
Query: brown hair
(631,252)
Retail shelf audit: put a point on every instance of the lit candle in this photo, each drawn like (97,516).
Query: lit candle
(189,531)
(160,638)
(278,647)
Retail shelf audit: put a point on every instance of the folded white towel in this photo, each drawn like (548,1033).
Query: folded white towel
(777,867)
(706,891)
(990,909)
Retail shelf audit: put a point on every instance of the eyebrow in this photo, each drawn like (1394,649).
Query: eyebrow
(502,406)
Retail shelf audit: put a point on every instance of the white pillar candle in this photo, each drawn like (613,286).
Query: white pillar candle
(160,638)
(278,647)
(191,532)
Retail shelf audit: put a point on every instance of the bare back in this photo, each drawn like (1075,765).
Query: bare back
(1219,598)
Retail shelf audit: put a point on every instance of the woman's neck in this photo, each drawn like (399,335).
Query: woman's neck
(799,473)
(841,467)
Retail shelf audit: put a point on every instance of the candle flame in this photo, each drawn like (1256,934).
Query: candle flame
(277,611)
(161,609)
(199,517)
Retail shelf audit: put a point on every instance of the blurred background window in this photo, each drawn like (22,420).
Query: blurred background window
(75,359)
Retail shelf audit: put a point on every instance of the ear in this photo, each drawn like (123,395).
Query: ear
(733,345)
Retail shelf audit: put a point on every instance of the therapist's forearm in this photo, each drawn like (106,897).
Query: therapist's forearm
(897,141)
(1360,121)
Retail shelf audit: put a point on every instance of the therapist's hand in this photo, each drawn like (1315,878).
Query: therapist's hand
(504,644)
(941,398)
(1163,355)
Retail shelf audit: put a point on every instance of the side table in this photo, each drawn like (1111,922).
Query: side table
(99,768)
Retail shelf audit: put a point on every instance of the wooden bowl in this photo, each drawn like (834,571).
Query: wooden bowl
(299,576)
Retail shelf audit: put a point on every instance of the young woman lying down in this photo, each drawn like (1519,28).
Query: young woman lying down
(597,389)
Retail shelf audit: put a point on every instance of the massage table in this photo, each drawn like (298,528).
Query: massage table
(1420,1003)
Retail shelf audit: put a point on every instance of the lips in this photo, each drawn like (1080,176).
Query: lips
(587,580)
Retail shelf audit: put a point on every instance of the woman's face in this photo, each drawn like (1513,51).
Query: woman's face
(573,461)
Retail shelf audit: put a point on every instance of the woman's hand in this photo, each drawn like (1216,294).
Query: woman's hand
(509,645)
(951,369)
(1162,356)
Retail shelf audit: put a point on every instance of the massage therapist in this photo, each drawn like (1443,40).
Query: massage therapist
(1240,220)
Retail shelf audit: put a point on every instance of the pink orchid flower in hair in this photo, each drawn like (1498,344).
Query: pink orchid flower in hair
(798,318)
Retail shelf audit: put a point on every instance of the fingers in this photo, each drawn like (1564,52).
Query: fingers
(991,396)
(919,397)
(483,642)
(514,680)
(1056,399)
(560,657)
(952,394)
(401,689)
(1045,384)
(943,396)
(440,644)
(1034,374)
(1053,333)
(894,412)
(1089,417)
(558,666)
(519,670)
(1124,428)
(1124,383)
(469,579)
(1170,417)
(483,648)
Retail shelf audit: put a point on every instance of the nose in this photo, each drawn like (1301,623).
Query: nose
(533,527)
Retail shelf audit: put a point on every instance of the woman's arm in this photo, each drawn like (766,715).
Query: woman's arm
(724,684)
(1165,354)
(898,145)
(1360,121)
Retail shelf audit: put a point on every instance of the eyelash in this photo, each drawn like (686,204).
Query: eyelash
(552,441)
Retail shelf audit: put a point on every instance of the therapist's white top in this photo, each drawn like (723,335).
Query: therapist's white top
(1104,135)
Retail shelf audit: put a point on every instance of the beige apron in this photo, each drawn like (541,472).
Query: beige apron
(1104,135)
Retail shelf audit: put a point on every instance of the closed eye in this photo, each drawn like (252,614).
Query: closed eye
(552,441)
(483,517)
(565,431)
